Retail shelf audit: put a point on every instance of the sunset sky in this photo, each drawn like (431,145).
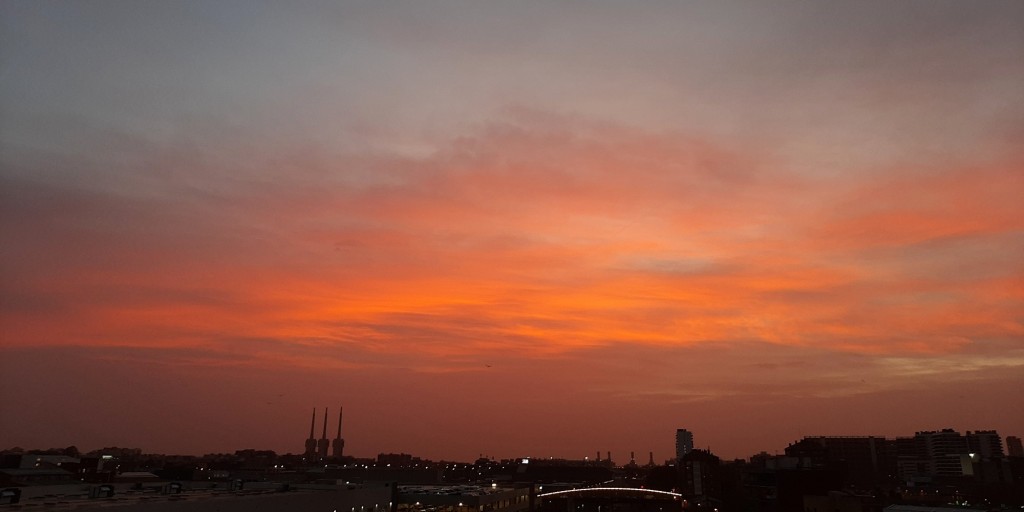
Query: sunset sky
(509,228)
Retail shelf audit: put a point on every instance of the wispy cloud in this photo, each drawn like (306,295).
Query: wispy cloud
(736,206)
(547,236)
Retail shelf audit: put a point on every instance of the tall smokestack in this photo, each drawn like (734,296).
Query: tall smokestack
(311,442)
(340,410)
(338,447)
(323,444)
(651,462)
(324,436)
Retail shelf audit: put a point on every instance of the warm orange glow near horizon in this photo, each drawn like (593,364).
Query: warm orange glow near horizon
(827,264)
(543,242)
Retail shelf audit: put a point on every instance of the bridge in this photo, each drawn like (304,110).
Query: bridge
(610,499)
(611,490)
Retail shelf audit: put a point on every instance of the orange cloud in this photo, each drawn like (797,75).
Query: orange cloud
(548,238)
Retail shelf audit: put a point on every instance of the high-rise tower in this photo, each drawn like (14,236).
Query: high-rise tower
(1014,447)
(323,444)
(311,442)
(945,452)
(985,443)
(338,448)
(684,443)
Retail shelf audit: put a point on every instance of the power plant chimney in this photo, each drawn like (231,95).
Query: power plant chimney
(311,442)
(323,444)
(324,436)
(651,462)
(339,444)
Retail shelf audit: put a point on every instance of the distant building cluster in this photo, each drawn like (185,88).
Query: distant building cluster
(925,456)
(932,468)
(931,471)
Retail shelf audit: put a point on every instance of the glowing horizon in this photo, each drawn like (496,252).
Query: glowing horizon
(533,214)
